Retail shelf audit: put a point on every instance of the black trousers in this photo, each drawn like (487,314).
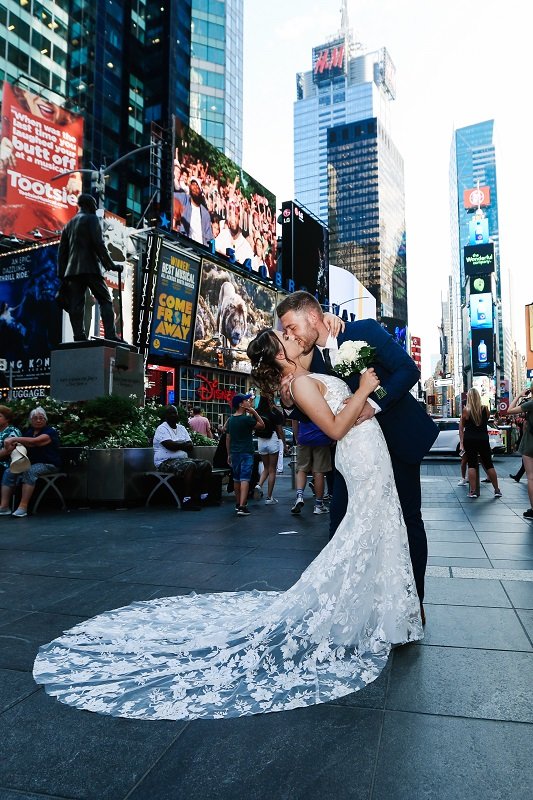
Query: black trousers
(407,478)
(98,288)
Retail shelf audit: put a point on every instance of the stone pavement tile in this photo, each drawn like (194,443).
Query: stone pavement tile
(25,593)
(313,753)
(457,549)
(251,576)
(447,524)
(20,640)
(487,684)
(297,560)
(474,563)
(451,535)
(208,554)
(507,535)
(470,626)
(14,686)
(445,514)
(465,592)
(78,567)
(520,592)
(106,595)
(427,757)
(26,560)
(8,615)
(7,794)
(51,749)
(182,573)
(526,617)
(518,552)
(511,564)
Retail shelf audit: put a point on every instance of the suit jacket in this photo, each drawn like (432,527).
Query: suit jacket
(82,248)
(408,430)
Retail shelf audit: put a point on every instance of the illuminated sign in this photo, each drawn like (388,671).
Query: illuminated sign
(478,231)
(481,311)
(174,303)
(481,284)
(479,259)
(329,61)
(476,198)
(482,351)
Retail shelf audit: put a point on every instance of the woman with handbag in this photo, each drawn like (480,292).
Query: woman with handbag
(268,440)
(7,429)
(42,443)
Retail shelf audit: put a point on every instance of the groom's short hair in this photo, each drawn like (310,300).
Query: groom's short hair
(298,301)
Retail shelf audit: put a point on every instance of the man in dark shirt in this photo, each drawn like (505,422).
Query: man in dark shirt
(82,252)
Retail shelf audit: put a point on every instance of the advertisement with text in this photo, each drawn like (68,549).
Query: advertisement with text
(38,140)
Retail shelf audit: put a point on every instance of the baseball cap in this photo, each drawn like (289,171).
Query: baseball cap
(195,180)
(237,399)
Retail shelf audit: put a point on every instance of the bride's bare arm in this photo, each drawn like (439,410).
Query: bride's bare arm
(309,399)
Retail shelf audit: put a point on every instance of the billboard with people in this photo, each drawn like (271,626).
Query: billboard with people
(213,198)
(231,310)
(39,140)
(30,319)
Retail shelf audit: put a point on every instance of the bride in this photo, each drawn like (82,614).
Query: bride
(238,653)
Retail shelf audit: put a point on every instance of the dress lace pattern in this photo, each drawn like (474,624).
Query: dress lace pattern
(238,653)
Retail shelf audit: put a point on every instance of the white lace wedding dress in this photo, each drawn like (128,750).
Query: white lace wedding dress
(237,653)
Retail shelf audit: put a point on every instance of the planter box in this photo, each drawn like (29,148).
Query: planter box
(115,474)
(75,461)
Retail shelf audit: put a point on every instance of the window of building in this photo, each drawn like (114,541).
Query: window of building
(18,58)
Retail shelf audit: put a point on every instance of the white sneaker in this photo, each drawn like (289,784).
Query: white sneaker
(297,507)
(20,512)
(258,493)
(4,512)
(270,501)
(462,482)
(320,510)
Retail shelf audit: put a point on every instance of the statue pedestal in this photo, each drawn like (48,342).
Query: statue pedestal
(85,370)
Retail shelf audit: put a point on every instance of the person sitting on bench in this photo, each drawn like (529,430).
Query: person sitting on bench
(172,453)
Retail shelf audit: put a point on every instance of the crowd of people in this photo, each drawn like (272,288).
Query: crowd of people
(209,206)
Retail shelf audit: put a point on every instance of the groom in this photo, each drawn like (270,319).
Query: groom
(408,430)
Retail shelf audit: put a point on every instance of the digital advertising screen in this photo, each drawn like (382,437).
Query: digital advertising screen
(329,61)
(39,140)
(482,351)
(30,319)
(478,197)
(478,231)
(481,284)
(176,287)
(479,259)
(305,252)
(213,198)
(481,311)
(231,310)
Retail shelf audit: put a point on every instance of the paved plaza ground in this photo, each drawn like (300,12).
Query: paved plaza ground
(450,717)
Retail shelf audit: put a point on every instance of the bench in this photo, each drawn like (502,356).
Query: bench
(49,482)
(163,480)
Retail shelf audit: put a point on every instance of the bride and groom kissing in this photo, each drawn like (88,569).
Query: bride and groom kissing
(236,653)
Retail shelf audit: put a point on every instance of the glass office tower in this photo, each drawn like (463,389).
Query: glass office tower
(367,213)
(473,162)
(216,73)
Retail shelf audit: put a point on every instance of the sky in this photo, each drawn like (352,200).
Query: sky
(457,63)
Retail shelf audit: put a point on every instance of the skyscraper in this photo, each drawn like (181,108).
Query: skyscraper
(216,73)
(473,165)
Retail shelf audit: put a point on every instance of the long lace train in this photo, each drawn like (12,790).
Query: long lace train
(238,653)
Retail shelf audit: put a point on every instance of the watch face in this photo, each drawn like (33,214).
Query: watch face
(479,284)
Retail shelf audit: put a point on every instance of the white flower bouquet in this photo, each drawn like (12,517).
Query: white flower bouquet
(356,357)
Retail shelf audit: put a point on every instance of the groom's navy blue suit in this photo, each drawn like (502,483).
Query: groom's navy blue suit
(408,430)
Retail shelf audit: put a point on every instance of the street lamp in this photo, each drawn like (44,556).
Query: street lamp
(98,176)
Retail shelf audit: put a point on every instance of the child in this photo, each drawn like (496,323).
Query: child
(243,421)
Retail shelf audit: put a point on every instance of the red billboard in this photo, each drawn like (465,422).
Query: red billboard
(476,198)
(329,61)
(39,140)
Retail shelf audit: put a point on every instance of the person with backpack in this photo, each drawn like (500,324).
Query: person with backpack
(268,446)
(523,405)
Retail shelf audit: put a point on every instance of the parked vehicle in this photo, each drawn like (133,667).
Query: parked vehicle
(448,439)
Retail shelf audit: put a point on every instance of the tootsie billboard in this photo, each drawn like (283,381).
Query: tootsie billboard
(39,140)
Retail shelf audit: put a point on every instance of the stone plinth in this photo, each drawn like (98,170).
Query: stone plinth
(85,370)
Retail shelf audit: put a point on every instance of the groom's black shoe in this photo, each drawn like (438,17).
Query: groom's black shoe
(422,614)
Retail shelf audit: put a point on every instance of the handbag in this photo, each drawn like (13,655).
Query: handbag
(310,435)
(19,459)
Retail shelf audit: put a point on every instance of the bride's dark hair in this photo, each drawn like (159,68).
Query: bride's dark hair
(266,368)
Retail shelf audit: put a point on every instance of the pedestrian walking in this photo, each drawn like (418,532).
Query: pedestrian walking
(474,440)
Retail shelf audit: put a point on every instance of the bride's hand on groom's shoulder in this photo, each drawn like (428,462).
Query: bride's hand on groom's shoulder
(334,324)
